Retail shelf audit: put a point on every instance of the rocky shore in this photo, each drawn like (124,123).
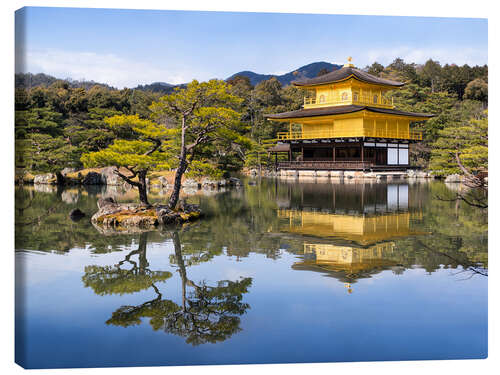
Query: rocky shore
(107,176)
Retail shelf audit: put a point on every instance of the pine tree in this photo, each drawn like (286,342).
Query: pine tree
(137,148)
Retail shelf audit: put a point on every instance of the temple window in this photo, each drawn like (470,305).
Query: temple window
(321,98)
(355,97)
(375,99)
(344,96)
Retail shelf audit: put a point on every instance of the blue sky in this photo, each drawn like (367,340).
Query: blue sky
(129,47)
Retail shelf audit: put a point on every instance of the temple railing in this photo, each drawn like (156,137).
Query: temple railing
(373,101)
(332,133)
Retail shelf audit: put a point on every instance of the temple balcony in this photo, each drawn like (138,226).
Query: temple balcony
(366,100)
(361,133)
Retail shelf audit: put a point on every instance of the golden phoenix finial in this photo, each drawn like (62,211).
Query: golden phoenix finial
(348,64)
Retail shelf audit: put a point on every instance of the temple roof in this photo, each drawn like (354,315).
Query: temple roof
(338,110)
(344,73)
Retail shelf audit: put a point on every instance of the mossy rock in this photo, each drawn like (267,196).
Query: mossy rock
(125,216)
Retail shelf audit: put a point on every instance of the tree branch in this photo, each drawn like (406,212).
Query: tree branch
(128,178)
(157,145)
(471,180)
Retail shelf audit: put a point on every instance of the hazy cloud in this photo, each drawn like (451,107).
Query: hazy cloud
(107,68)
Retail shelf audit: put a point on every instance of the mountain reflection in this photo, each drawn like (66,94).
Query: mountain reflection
(207,314)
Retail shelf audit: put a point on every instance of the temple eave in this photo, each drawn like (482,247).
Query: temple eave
(336,112)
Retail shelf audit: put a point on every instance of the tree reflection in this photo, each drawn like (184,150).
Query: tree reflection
(117,280)
(207,314)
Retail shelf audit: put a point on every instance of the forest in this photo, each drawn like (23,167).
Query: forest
(58,122)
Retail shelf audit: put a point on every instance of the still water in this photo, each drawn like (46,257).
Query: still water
(276,272)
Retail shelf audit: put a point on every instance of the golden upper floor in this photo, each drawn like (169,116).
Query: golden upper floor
(347,86)
(347,93)
(347,103)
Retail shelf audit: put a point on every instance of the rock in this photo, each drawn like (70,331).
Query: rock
(163,181)
(123,216)
(253,172)
(188,208)
(68,170)
(167,216)
(233,181)
(208,183)
(76,214)
(109,177)
(105,202)
(411,173)
(190,190)
(47,178)
(93,178)
(190,183)
(163,210)
(453,178)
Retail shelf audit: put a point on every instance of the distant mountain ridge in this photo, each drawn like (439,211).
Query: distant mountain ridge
(27,80)
(306,71)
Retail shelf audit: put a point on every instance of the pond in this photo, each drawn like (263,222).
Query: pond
(278,271)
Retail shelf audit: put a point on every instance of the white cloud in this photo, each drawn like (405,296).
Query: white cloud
(106,68)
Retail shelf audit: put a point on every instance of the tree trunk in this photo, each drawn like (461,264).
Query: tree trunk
(60,178)
(174,197)
(182,267)
(143,260)
(143,192)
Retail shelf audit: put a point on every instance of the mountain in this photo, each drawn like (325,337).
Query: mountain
(27,80)
(160,87)
(306,71)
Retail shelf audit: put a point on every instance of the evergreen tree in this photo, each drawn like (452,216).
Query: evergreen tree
(204,125)
(137,148)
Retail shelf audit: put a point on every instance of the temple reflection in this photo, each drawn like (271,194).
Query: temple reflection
(350,230)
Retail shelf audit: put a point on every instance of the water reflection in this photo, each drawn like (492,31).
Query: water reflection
(278,246)
(119,280)
(354,231)
(207,314)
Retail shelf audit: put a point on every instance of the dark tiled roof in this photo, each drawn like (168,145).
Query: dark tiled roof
(344,73)
(338,110)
